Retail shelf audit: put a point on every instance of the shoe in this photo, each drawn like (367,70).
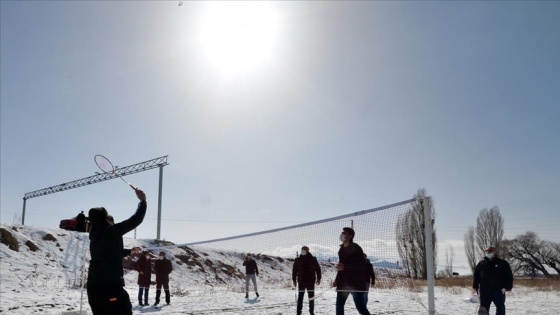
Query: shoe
(257,293)
(141,304)
(247,295)
(156,303)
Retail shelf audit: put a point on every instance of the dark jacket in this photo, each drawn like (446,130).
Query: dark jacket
(353,277)
(306,270)
(145,266)
(106,248)
(81,222)
(251,267)
(163,268)
(493,274)
(370,274)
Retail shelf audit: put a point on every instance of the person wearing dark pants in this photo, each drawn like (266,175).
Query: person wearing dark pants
(492,278)
(105,284)
(352,274)
(305,273)
(162,268)
(144,268)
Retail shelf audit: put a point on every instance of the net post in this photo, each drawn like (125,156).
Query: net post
(425,203)
(159,201)
(23,213)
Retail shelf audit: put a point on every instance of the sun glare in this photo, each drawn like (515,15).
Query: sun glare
(238,37)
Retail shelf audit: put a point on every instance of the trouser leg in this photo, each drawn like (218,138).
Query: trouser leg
(167,293)
(140,293)
(301,293)
(499,300)
(247,283)
(310,295)
(254,279)
(485,299)
(146,292)
(341,298)
(359,302)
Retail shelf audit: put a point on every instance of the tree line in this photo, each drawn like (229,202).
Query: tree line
(528,254)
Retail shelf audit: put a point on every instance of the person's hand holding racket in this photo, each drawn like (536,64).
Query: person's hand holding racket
(140,194)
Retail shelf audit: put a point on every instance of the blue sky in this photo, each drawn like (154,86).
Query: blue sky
(351,106)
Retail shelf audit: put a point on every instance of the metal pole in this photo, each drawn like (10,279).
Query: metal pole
(159,202)
(427,209)
(23,214)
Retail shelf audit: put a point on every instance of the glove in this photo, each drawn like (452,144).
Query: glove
(504,291)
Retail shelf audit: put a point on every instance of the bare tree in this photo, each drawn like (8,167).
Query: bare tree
(449,257)
(470,249)
(489,229)
(411,239)
(531,255)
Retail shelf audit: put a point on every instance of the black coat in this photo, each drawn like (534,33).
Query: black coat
(144,265)
(106,249)
(370,274)
(354,275)
(251,267)
(493,274)
(163,268)
(306,270)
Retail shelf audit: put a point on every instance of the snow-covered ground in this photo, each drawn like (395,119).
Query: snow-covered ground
(46,281)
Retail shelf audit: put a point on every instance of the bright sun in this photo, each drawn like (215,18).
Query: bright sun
(238,37)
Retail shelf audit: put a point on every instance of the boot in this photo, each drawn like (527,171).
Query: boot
(247,295)
(257,293)
(167,297)
(158,293)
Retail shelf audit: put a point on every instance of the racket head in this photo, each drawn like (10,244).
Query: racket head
(104,164)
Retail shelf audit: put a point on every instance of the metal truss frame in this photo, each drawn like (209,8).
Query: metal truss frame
(100,177)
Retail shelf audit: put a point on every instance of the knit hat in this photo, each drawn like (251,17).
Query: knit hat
(97,215)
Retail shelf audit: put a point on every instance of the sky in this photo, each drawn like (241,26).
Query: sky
(278,113)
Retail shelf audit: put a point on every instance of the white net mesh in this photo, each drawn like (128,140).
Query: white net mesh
(275,251)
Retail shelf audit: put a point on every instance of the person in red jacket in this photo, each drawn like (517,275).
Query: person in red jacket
(144,268)
(162,268)
(306,272)
(492,277)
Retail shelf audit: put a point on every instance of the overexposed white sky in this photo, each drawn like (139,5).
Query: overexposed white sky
(280,113)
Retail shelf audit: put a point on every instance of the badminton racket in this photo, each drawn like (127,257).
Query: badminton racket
(108,168)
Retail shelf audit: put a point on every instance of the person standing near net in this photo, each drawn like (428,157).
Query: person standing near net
(305,273)
(162,268)
(251,272)
(105,284)
(351,275)
(492,278)
(370,277)
(144,267)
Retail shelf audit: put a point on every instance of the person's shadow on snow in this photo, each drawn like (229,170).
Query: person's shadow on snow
(147,309)
(252,301)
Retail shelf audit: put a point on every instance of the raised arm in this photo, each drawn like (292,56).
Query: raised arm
(137,218)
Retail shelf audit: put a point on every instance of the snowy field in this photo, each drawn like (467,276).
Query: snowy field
(43,281)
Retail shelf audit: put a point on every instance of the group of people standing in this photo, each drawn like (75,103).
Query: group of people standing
(162,268)
(355,275)
(105,285)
